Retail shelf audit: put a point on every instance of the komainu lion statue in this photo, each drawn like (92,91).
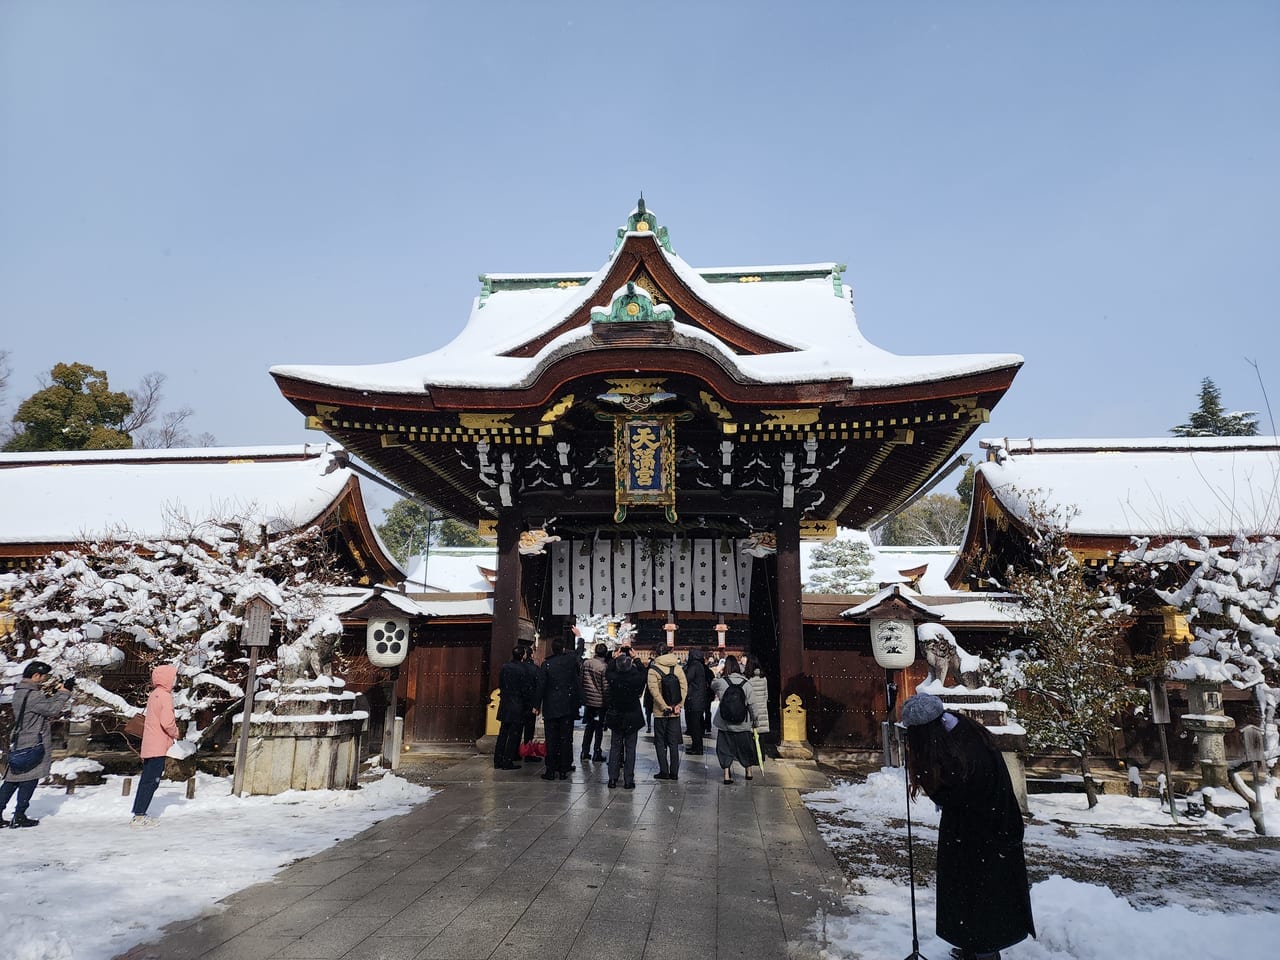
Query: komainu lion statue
(941,654)
(946,658)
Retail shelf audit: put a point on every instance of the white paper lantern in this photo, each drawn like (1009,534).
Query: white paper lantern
(894,643)
(387,641)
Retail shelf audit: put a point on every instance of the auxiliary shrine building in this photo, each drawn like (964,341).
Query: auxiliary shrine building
(654,440)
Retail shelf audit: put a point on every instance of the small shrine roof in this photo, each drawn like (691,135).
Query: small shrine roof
(66,497)
(1154,487)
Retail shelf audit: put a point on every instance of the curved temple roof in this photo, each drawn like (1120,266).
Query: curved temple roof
(805,310)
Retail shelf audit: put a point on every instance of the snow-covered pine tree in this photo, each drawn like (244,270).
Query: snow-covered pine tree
(1230,594)
(840,566)
(173,600)
(1210,420)
(1070,675)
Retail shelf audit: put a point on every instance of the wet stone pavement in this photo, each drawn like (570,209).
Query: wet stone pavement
(501,864)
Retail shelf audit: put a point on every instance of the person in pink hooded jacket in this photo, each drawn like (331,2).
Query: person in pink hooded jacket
(159,731)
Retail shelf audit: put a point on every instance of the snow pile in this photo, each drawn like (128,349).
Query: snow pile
(1075,920)
(84,885)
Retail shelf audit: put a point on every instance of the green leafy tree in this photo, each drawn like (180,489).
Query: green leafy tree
(1210,420)
(1069,673)
(408,528)
(78,410)
(841,566)
(964,489)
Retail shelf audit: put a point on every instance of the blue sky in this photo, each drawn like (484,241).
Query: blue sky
(207,189)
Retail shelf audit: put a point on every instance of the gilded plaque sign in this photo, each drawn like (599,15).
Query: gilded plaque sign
(644,464)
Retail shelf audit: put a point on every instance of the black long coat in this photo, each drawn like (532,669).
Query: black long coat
(560,686)
(514,692)
(622,710)
(984,902)
(699,679)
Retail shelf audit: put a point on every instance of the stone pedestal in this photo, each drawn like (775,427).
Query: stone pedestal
(304,736)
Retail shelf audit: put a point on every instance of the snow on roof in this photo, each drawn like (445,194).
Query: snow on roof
(68,497)
(887,564)
(345,599)
(1210,486)
(805,313)
(452,570)
(893,591)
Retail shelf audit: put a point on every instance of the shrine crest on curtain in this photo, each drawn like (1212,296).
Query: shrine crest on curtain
(644,464)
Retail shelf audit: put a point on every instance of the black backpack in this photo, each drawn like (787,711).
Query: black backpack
(733,704)
(669,686)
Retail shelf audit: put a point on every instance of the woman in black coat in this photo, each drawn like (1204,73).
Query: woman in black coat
(625,684)
(984,900)
(513,697)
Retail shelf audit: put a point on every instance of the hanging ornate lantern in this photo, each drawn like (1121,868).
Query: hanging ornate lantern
(893,642)
(387,641)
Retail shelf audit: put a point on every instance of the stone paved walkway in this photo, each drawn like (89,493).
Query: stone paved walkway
(501,864)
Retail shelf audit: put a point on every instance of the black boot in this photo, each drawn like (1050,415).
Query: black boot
(22,820)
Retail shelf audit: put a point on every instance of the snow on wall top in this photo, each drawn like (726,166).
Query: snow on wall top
(804,312)
(1158,487)
(68,497)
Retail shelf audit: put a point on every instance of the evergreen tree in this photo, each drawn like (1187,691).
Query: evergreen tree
(408,528)
(964,489)
(1210,420)
(841,566)
(77,411)
(1070,675)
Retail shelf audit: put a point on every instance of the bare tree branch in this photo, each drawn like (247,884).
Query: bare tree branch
(146,402)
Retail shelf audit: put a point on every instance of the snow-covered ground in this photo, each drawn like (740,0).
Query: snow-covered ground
(1117,881)
(84,885)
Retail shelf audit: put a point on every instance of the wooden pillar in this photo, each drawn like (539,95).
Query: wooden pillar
(791,626)
(506,595)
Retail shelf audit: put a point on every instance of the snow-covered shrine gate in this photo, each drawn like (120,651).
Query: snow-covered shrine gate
(705,413)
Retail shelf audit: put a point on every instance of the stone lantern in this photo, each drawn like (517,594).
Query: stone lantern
(1209,723)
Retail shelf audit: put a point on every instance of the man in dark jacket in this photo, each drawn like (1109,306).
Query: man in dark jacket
(32,711)
(511,706)
(695,702)
(560,693)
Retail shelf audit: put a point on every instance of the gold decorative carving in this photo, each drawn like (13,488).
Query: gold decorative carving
(714,406)
(558,409)
(801,416)
(750,279)
(325,411)
(565,284)
(633,309)
(488,530)
(485,421)
(642,226)
(645,283)
(636,387)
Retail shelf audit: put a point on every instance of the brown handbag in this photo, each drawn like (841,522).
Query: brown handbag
(135,726)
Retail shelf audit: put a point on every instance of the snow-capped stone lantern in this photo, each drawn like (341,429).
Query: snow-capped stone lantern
(387,641)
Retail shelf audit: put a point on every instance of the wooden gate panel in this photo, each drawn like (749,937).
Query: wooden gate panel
(446,686)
